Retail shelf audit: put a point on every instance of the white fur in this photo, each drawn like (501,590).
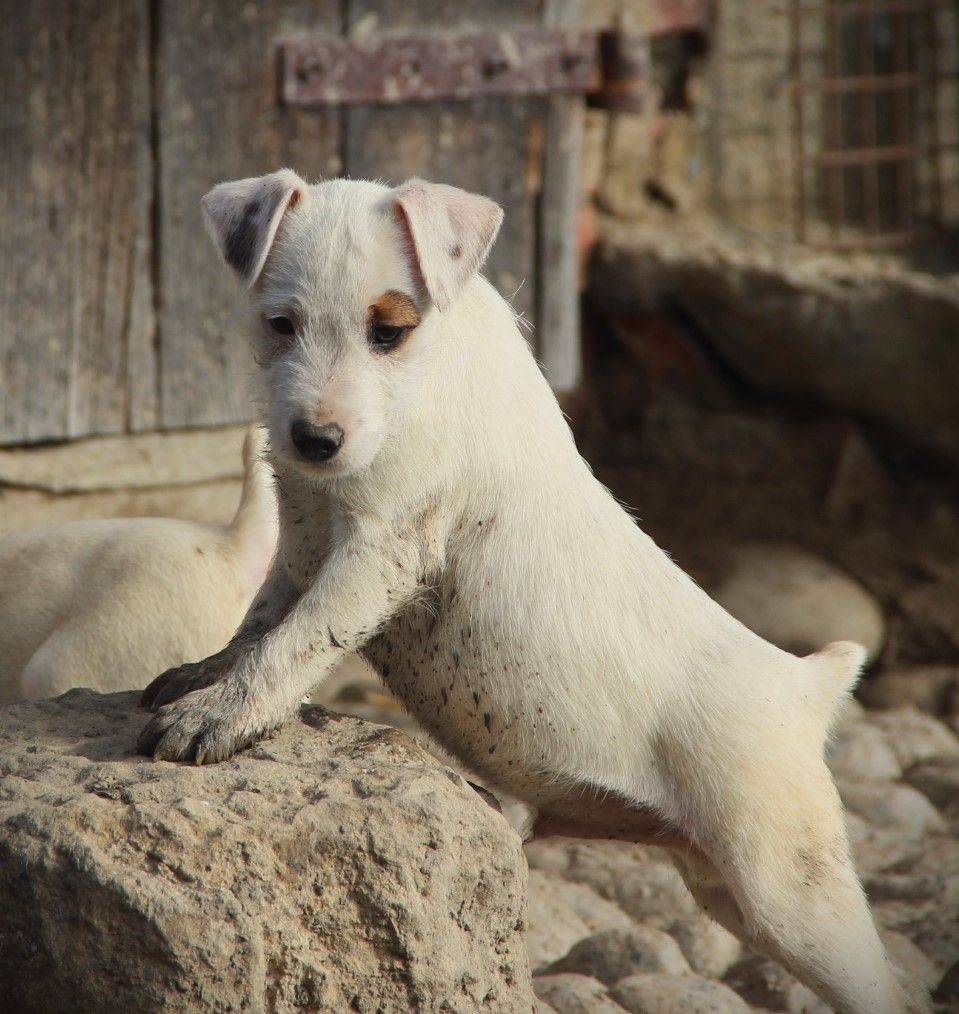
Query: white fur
(106,604)
(460,542)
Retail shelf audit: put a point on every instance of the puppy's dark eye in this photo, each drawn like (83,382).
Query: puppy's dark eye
(383,337)
(282,325)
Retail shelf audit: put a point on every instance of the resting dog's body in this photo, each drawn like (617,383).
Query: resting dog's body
(105,603)
(436,515)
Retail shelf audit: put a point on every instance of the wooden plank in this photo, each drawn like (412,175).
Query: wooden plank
(489,145)
(558,333)
(76,299)
(220,119)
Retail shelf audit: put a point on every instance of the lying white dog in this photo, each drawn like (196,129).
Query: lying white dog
(434,512)
(105,604)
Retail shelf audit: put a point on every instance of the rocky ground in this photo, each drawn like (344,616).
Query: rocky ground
(611,927)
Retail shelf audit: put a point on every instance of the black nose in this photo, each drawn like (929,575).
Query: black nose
(316,443)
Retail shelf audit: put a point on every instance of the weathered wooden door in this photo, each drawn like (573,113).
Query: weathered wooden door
(117,115)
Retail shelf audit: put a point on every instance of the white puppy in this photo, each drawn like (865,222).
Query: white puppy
(434,513)
(105,604)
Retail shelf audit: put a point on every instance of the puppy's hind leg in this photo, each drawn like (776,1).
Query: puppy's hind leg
(776,871)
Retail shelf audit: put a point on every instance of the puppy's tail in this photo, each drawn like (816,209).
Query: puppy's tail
(836,670)
(255,522)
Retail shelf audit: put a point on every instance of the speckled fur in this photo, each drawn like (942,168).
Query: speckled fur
(460,541)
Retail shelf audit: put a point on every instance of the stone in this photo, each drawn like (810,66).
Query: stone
(938,781)
(907,956)
(796,600)
(643,885)
(914,736)
(574,994)
(676,994)
(553,926)
(875,850)
(560,913)
(947,992)
(925,687)
(333,866)
(708,947)
(860,751)
(764,984)
(862,335)
(896,808)
(900,887)
(613,954)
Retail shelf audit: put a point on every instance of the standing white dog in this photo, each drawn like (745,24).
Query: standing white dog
(107,603)
(434,512)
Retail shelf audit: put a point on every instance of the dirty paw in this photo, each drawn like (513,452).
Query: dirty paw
(174,683)
(205,726)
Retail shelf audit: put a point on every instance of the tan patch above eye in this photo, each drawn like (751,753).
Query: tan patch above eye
(395,308)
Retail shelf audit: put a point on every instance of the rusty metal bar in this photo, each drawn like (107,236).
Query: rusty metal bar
(408,68)
(869,131)
(863,156)
(875,83)
(834,177)
(680,16)
(872,8)
(879,240)
(801,157)
(903,129)
(934,83)
(626,62)
(871,106)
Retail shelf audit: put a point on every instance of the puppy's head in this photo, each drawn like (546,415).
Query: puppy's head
(346,280)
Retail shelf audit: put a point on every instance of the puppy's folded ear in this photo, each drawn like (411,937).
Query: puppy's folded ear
(450,233)
(243,216)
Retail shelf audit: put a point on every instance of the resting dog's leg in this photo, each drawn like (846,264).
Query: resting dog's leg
(776,872)
(359,587)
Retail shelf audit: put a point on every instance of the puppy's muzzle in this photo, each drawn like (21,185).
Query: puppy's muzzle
(316,443)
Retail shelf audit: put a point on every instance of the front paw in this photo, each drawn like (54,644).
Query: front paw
(205,726)
(174,683)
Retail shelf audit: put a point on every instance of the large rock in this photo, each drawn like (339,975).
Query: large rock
(797,600)
(336,866)
(614,954)
(854,333)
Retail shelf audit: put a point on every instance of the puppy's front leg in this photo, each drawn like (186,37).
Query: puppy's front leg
(359,587)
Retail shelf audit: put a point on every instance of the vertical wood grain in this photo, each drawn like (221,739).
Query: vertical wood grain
(217,82)
(76,299)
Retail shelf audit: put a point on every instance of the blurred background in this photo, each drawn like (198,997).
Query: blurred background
(731,225)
